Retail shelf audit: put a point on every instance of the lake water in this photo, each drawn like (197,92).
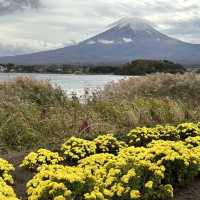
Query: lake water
(70,83)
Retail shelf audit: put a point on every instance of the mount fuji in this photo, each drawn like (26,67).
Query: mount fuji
(125,40)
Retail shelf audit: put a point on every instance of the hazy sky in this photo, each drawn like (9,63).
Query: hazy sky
(32,25)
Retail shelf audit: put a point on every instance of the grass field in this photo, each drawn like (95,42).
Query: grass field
(34,114)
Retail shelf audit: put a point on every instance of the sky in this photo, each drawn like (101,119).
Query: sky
(37,25)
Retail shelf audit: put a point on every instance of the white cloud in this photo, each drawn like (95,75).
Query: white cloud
(22,46)
(10,6)
(59,22)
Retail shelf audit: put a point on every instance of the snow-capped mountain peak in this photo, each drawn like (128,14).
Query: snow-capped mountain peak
(126,31)
(133,23)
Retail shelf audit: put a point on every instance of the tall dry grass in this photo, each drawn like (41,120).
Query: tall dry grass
(149,100)
(35,114)
(180,86)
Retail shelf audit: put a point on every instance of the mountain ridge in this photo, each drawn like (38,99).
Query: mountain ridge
(125,40)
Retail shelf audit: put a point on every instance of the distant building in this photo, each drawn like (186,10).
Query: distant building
(2,68)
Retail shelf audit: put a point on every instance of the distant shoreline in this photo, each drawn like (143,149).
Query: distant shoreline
(134,68)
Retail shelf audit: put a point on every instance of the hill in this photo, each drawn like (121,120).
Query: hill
(142,67)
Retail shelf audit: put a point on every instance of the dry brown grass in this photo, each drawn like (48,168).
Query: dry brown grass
(185,87)
(33,113)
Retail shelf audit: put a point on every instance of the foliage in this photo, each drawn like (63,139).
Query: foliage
(56,182)
(167,132)
(142,67)
(123,178)
(39,92)
(188,129)
(75,149)
(6,191)
(193,141)
(119,178)
(143,136)
(94,162)
(34,114)
(42,157)
(6,179)
(163,158)
(108,144)
(5,171)
(176,87)
(24,106)
(143,173)
(180,163)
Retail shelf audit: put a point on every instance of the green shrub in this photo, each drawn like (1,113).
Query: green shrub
(5,171)
(56,182)
(42,157)
(6,191)
(193,141)
(117,178)
(30,114)
(96,161)
(142,67)
(144,173)
(167,132)
(108,144)
(39,92)
(142,136)
(180,163)
(18,125)
(124,178)
(188,129)
(6,179)
(75,149)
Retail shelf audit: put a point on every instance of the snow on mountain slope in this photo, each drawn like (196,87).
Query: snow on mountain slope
(122,41)
(133,23)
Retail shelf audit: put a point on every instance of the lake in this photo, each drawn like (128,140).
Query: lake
(70,83)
